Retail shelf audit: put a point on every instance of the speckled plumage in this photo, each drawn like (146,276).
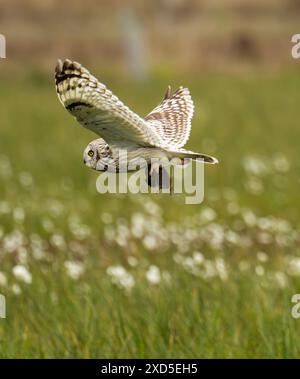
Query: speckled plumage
(163,132)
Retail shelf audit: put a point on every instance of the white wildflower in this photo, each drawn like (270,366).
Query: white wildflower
(249,217)
(191,234)
(138,222)
(183,246)
(152,208)
(16,289)
(5,207)
(166,276)
(255,166)
(58,240)
(55,207)
(232,237)
(47,224)
(21,273)
(120,277)
(286,240)
(153,275)
(38,246)
(25,179)
(208,215)
(233,208)
(254,185)
(262,257)
(189,264)
(19,214)
(77,248)
(38,253)
(264,238)
(122,234)
(259,270)
(132,261)
(116,271)
(294,266)
(281,279)
(109,233)
(178,258)
(5,167)
(106,218)
(215,235)
(198,257)
(265,223)
(3,279)
(22,255)
(150,241)
(13,241)
(221,268)
(245,241)
(281,164)
(74,269)
(81,231)
(282,226)
(209,270)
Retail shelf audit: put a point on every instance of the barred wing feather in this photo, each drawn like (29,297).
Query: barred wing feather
(97,109)
(172,117)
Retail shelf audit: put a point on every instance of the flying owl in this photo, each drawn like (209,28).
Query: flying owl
(162,133)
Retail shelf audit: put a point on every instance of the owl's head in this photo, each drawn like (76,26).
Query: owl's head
(96,155)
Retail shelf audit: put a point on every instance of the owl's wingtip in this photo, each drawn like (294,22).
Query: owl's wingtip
(59,66)
(168,93)
(67,64)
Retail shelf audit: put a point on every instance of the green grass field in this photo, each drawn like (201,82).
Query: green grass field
(90,275)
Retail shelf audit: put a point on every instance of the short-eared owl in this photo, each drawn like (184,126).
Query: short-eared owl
(163,132)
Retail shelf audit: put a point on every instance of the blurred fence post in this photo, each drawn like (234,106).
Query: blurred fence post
(134,45)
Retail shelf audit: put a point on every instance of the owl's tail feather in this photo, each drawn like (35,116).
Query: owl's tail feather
(182,153)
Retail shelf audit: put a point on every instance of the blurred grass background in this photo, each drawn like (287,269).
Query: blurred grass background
(90,275)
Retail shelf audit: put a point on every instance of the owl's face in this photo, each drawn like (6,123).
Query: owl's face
(96,155)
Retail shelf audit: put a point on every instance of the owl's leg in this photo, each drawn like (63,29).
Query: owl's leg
(158,177)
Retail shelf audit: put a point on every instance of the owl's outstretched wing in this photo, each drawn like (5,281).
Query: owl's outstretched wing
(97,109)
(172,117)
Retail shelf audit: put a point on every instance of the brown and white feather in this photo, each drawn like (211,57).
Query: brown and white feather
(172,117)
(97,109)
(165,129)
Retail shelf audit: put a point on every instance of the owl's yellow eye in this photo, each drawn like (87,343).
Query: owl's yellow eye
(91,153)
